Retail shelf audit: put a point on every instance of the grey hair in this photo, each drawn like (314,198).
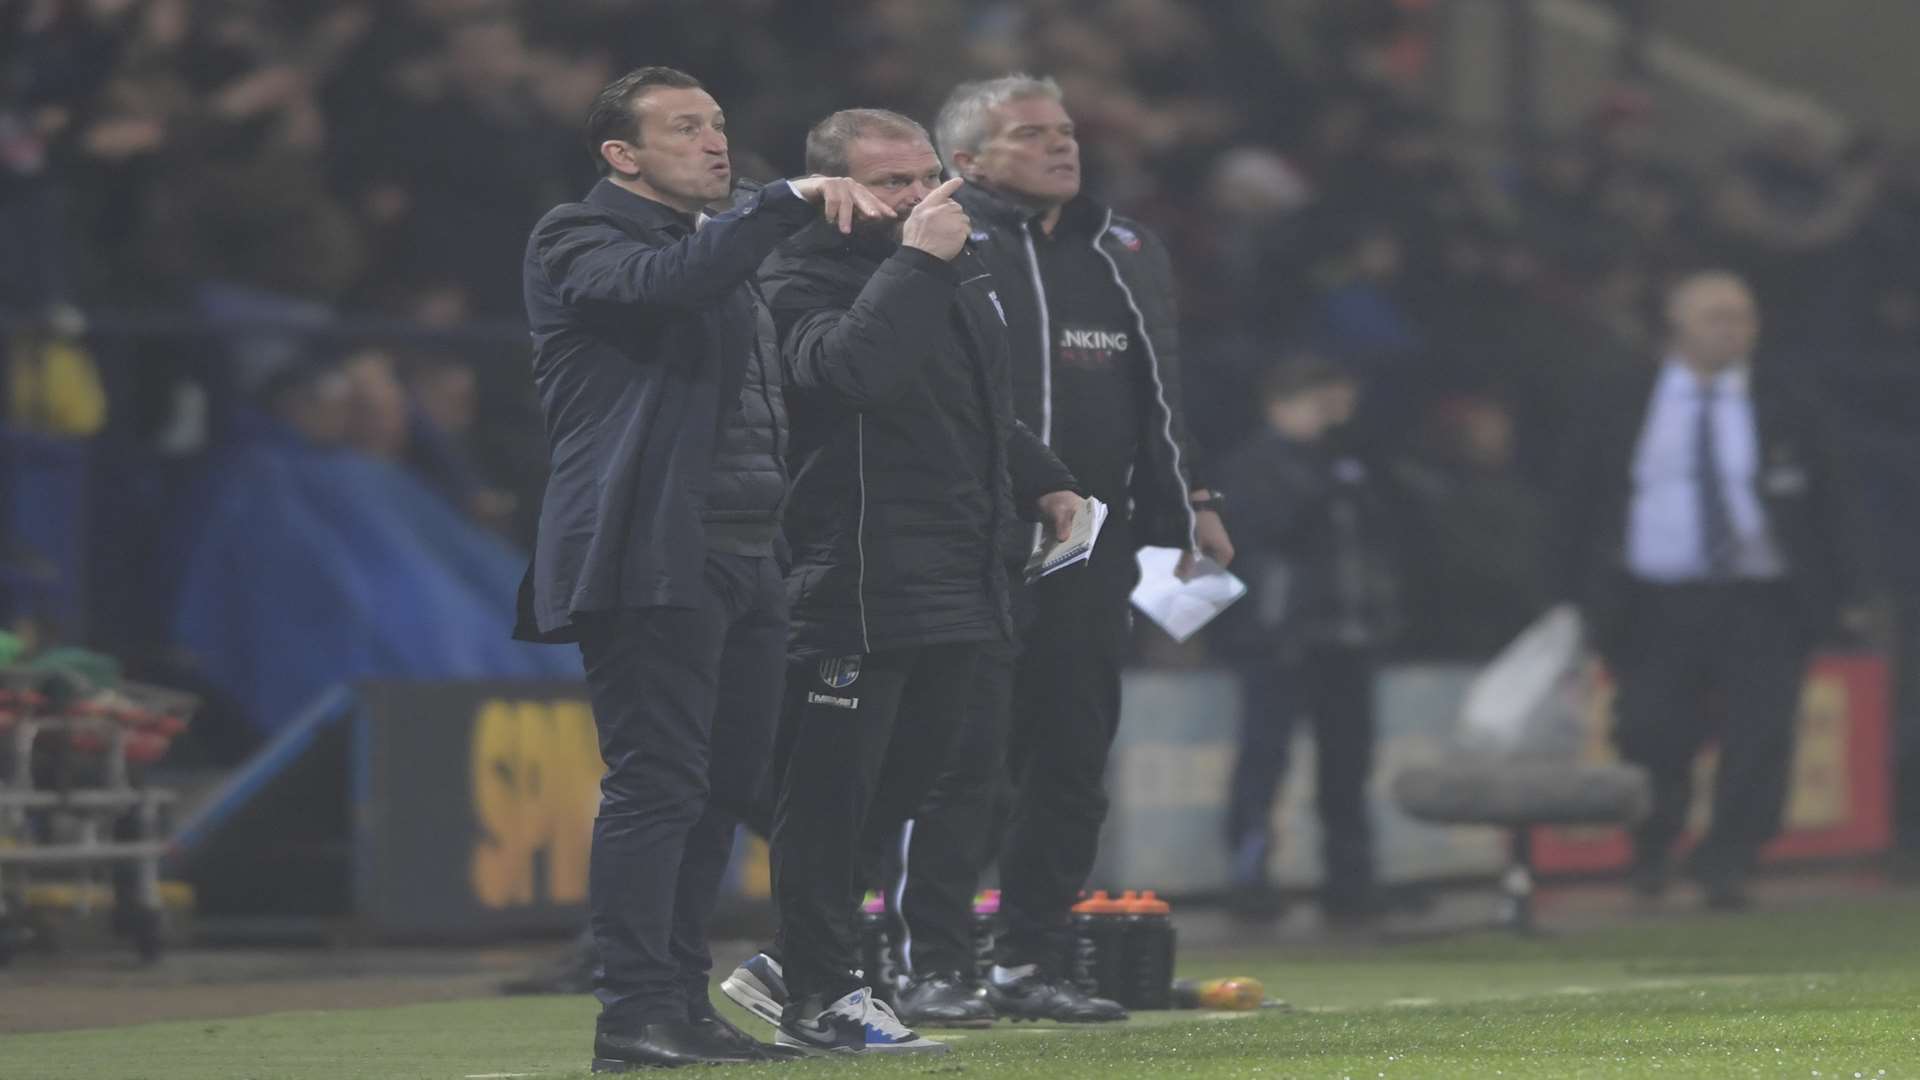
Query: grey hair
(966,120)
(830,139)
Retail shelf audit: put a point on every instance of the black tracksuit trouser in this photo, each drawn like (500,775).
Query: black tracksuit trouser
(1027,781)
(862,741)
(1704,659)
(685,701)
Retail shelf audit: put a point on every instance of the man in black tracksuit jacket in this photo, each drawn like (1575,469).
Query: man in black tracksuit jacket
(908,464)
(1088,300)
(658,564)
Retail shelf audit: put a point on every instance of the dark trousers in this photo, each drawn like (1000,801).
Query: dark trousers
(933,867)
(685,701)
(1027,778)
(1066,711)
(863,740)
(1701,659)
(1332,686)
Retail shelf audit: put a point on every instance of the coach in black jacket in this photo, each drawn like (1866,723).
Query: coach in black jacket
(908,463)
(645,331)
(1704,535)
(1088,299)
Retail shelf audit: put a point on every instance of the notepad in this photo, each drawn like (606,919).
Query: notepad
(1050,554)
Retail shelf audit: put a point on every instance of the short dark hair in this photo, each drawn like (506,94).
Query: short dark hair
(613,116)
(1300,373)
(829,140)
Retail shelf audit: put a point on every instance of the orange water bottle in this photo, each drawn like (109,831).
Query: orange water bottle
(1236,993)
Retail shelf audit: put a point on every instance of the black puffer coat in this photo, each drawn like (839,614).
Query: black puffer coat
(906,456)
(749,486)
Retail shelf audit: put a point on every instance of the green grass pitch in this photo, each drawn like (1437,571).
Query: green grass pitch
(1823,994)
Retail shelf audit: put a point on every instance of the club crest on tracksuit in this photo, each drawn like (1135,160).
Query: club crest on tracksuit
(841,672)
(1127,237)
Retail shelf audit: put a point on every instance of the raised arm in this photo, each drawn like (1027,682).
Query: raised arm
(870,354)
(594,261)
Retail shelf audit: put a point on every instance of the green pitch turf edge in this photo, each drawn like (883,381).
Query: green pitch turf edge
(1832,993)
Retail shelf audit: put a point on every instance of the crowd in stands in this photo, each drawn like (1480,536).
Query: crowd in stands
(276,160)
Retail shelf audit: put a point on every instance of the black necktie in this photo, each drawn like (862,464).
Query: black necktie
(1717,539)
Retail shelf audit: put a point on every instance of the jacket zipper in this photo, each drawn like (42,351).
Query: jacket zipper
(1046,357)
(1153,369)
(860,531)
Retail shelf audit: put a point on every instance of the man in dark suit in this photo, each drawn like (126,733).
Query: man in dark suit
(655,543)
(1702,535)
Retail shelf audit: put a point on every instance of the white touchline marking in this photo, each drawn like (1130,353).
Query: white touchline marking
(1028,1030)
(498,1076)
(1414,1002)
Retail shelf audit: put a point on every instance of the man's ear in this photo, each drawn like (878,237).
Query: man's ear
(963,166)
(619,155)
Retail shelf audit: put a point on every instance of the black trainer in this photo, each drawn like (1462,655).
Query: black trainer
(1040,997)
(943,1000)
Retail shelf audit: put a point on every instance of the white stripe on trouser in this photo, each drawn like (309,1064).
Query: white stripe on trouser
(900,898)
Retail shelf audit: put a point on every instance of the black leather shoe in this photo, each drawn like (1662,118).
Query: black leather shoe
(663,1046)
(1038,997)
(718,1029)
(943,1000)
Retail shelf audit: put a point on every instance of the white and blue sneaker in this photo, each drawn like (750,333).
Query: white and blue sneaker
(759,986)
(856,1024)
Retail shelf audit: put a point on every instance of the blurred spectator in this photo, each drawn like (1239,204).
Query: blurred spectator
(315,404)
(444,398)
(1709,552)
(1478,574)
(1362,313)
(1310,533)
(53,55)
(1783,211)
(377,407)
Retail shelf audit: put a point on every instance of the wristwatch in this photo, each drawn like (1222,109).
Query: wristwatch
(1214,500)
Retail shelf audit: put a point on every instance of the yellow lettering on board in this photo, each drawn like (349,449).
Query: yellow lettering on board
(535,769)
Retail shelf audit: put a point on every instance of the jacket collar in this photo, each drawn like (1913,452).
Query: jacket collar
(824,236)
(608,195)
(1082,214)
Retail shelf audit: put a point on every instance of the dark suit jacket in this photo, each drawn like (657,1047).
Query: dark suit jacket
(642,329)
(1807,509)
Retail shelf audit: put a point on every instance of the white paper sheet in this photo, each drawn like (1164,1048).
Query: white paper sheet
(1181,608)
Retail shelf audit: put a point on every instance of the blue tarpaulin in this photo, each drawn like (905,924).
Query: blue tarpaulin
(312,567)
